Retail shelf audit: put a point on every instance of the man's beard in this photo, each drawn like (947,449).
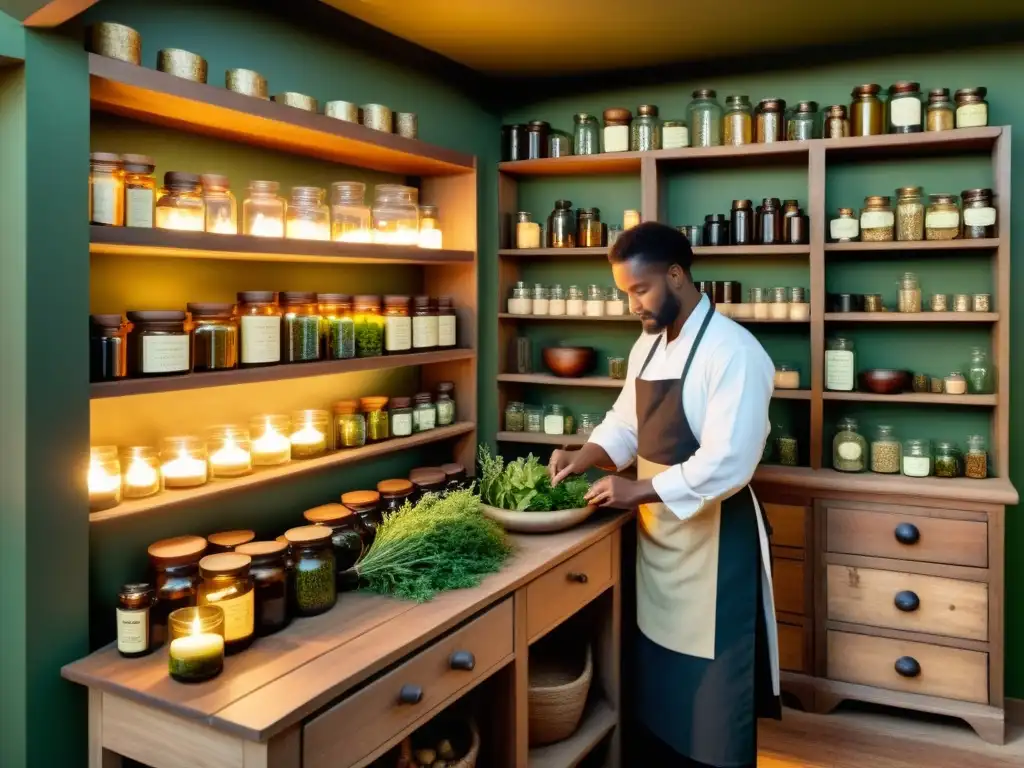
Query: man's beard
(663,316)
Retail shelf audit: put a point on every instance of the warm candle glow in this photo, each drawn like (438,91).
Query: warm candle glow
(308,441)
(102,484)
(301,229)
(224,225)
(230,460)
(308,435)
(141,479)
(271,447)
(430,238)
(266,226)
(401,237)
(354,236)
(184,471)
(176,218)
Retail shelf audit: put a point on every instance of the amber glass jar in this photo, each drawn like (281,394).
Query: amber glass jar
(157,343)
(737,121)
(837,122)
(369,326)
(397,325)
(349,425)
(259,325)
(375,410)
(446,322)
(226,583)
(175,567)
(905,112)
(214,337)
(425,324)
(314,580)
(300,327)
(108,356)
(428,480)
(939,114)
(228,541)
(394,493)
(346,538)
(139,191)
(134,623)
(272,580)
(770,121)
(867,113)
(182,208)
(590,232)
(106,189)
(366,504)
(769,226)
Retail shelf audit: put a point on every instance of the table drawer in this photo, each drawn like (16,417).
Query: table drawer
(791,648)
(559,593)
(788,585)
(932,670)
(908,601)
(907,537)
(787,521)
(369,718)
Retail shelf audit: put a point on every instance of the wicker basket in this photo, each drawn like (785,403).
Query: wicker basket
(468,761)
(556,700)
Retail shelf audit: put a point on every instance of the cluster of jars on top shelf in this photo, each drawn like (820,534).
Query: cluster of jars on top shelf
(778,304)
(553,419)
(208,597)
(771,223)
(566,229)
(909,299)
(911,220)
(917,457)
(123,192)
(543,300)
(708,124)
(268,440)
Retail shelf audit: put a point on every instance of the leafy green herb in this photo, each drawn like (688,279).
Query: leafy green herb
(523,485)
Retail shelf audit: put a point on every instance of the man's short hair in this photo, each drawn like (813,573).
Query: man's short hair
(653,243)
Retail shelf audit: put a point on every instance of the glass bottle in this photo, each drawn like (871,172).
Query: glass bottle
(904,109)
(401,416)
(214,337)
(616,129)
(311,433)
(916,458)
(445,404)
(263,210)
(397,325)
(104,479)
(314,581)
(590,232)
(349,425)
(737,121)
(424,412)
(134,625)
(395,215)
(909,293)
(770,121)
(595,302)
(430,228)
(337,328)
(300,327)
(271,578)
(769,229)
(227,583)
(877,220)
(221,208)
(174,574)
(182,207)
(375,409)
(308,216)
(229,451)
(108,360)
(867,112)
(849,448)
(369,326)
(527,231)
(350,215)
(515,416)
(947,460)
(885,451)
(942,219)
(705,117)
(979,215)
(106,189)
(976,458)
(971,108)
(559,144)
(939,114)
(139,191)
(909,214)
(979,373)
(795,224)
(837,122)
(840,365)
(645,132)
(554,419)
(158,343)
(803,124)
(537,139)
(562,226)
(259,322)
(556,300)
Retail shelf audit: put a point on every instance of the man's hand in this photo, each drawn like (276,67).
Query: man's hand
(618,492)
(564,464)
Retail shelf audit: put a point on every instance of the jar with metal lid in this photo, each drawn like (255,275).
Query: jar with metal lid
(905,113)
(909,293)
(595,302)
(134,624)
(157,343)
(614,303)
(873,302)
(515,416)
(916,458)
(229,451)
(645,132)
(349,534)
(300,327)
(877,220)
(394,494)
(108,360)
(431,235)
(104,478)
(616,129)
(559,144)
(424,412)
(885,451)
(527,231)
(174,567)
(939,302)
(227,583)
(939,114)
(424,324)
(778,303)
(979,215)
(675,134)
(455,475)
(214,337)
(521,300)
(428,480)
(534,419)
(537,139)
(799,308)
(337,328)
(311,433)
(590,231)
(447,323)
(971,108)
(556,300)
(139,191)
(182,208)
(849,448)
(758,300)
(375,409)
(396,217)
(795,224)
(942,219)
(976,458)
(768,228)
(741,223)
(909,214)
(263,210)
(802,123)
(840,365)
(540,299)
(981,302)
(401,416)
(397,325)
(787,376)
(980,380)
(349,425)
(867,113)
(220,204)
(314,579)
(737,121)
(947,460)
(845,228)
(259,323)
(445,403)
(271,581)
(704,114)
(954,383)
(350,215)
(308,216)
(106,189)
(562,226)
(513,143)
(837,122)
(770,121)
(554,419)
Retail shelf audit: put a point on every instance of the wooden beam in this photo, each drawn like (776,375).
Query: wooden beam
(45,13)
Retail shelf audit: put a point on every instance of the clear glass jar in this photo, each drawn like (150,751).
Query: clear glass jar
(527,231)
(840,365)
(980,379)
(675,134)
(562,226)
(540,300)
(787,448)
(259,322)
(595,302)
(961,302)
(158,344)
(271,576)
(556,300)
(349,425)
(447,323)
(979,215)
(139,191)
(537,139)
(108,356)
(909,293)
(588,423)
(424,324)
(521,300)
(229,451)
(770,121)
(196,650)
(574,302)
(705,117)
(758,299)
(350,215)
(227,583)
(311,434)
(397,325)
(270,445)
(182,208)
(534,419)
(300,327)
(616,129)
(778,304)
(939,114)
(630,219)
(424,412)
(183,462)
(981,302)
(737,121)
(939,302)
(802,124)
(909,214)
(221,208)
(308,217)
(106,189)
(590,232)
(214,337)
(787,376)
(369,326)
(942,219)
(971,108)
(314,581)
(445,403)
(515,416)
(954,383)
(559,144)
(837,122)
(395,215)
(845,228)
(976,458)
(430,228)
(867,113)
(614,303)
(617,368)
(877,220)
(554,419)
(337,328)
(904,108)
(947,460)
(586,135)
(140,467)
(104,478)
(174,573)
(263,210)
(849,448)
(799,307)
(645,131)
(885,451)
(401,416)
(916,459)
(375,409)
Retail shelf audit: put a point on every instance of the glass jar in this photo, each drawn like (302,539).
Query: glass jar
(979,214)
(375,409)
(259,323)
(106,189)
(300,327)
(954,383)
(269,440)
(424,324)
(939,114)
(758,299)
(521,355)
(174,567)
(445,403)
(369,326)
(221,208)
(737,121)
(885,451)
(447,323)
(554,419)
(521,300)
(795,224)
(916,459)
(308,216)
(837,122)
(181,208)
(645,132)
(537,139)
(104,479)
(534,419)
(140,468)
(314,582)
(574,304)
(939,302)
(271,582)
(139,191)
(401,416)
(614,303)
(849,448)
(770,121)
(214,337)
(588,423)
(428,480)
(595,302)
(424,412)
(183,462)
(430,228)
(311,432)
(778,303)
(263,210)
(349,534)
(971,108)
(229,450)
(873,302)
(556,300)
(905,113)
(979,373)
(108,356)
(527,231)
(675,134)
(768,227)
(397,325)
(942,219)
(867,113)
(515,416)
(134,627)
(350,215)
(559,144)
(787,449)
(455,476)
(616,129)
(840,365)
(909,293)
(617,368)
(395,215)
(909,214)
(981,302)
(394,494)
(630,219)
(513,144)
(539,300)
(704,114)
(349,425)
(337,328)
(741,222)
(877,220)
(157,344)
(802,123)
(961,302)
(228,541)
(196,650)
(226,583)
(716,229)
(562,226)
(947,460)
(590,232)
(787,376)
(976,458)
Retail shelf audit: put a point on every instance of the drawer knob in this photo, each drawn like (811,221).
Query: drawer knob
(907,601)
(579,578)
(907,533)
(907,666)
(410,694)
(463,660)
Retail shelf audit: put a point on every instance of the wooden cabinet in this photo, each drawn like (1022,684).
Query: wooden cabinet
(790,582)
(566,588)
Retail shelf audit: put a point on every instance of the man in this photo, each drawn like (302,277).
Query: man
(694,415)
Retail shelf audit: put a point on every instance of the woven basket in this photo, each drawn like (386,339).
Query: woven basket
(469,761)
(556,699)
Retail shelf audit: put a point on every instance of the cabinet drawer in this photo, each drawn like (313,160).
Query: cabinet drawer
(908,601)
(932,670)
(788,585)
(787,521)
(566,588)
(791,648)
(369,718)
(907,537)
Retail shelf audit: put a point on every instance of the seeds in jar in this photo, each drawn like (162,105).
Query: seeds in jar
(885,457)
(976,465)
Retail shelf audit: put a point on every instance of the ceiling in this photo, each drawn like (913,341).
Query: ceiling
(529,38)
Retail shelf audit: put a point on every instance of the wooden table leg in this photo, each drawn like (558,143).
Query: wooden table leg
(98,756)
(521,678)
(282,751)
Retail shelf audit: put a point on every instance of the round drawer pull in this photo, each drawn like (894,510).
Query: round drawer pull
(907,601)
(410,694)
(907,666)
(579,578)
(907,533)
(463,660)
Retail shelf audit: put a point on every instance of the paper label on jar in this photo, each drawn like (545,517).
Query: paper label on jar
(260,339)
(972,116)
(839,370)
(979,217)
(554,424)
(446,331)
(401,424)
(905,112)
(942,220)
(165,354)
(876,219)
(675,137)
(616,138)
(132,631)
(239,614)
(424,419)
(138,205)
(916,466)
(849,451)
(398,334)
(424,332)
(104,201)
(844,229)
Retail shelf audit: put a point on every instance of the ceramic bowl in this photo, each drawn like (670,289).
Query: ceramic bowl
(537,522)
(884,381)
(569,362)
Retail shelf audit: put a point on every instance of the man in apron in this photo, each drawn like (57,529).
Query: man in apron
(693,414)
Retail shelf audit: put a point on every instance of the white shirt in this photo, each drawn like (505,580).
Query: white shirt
(725,398)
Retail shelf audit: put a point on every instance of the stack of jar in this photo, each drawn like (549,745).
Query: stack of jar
(541,301)
(567,229)
(913,458)
(779,304)
(910,220)
(774,222)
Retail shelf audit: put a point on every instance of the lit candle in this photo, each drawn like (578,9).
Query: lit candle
(104,480)
(430,238)
(230,459)
(223,225)
(271,447)
(400,237)
(308,441)
(354,236)
(141,478)
(196,656)
(177,218)
(303,229)
(184,471)
(266,226)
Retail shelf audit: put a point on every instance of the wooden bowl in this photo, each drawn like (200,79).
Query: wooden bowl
(569,362)
(884,381)
(537,522)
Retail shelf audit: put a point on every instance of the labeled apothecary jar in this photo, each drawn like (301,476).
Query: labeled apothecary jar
(445,404)
(308,216)
(314,586)
(259,323)
(555,419)
(424,412)
(397,325)
(104,479)
(939,114)
(214,337)
(447,323)
(849,448)
(737,121)
(645,131)
(705,117)
(904,108)
(134,627)
(219,202)
(182,207)
(980,379)
(885,451)
(867,113)
(174,566)
(106,189)
(877,220)
(770,121)
(271,577)
(845,228)
(311,433)
(349,425)
(395,215)
(837,122)
(300,327)
(909,293)
(971,108)
(263,210)
(942,219)
(424,324)
(183,462)
(348,539)
(590,232)
(515,416)
(375,410)
(562,226)
(802,123)
(401,416)
(916,458)
(675,134)
(196,650)
(108,355)
(350,215)
(139,191)
(909,214)
(979,215)
(840,365)
(226,583)
(368,325)
(229,450)
(337,328)
(616,129)
(140,467)
(158,343)
(948,461)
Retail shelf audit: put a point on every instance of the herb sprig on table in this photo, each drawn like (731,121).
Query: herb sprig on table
(523,485)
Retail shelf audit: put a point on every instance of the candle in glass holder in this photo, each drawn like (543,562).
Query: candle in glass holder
(229,451)
(183,462)
(430,227)
(263,210)
(182,208)
(196,651)
(104,477)
(141,467)
(309,217)
(270,444)
(309,436)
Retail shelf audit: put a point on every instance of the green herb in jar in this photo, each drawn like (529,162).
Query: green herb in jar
(339,338)
(617,367)
(786,447)
(369,335)
(315,589)
(376,413)
(300,327)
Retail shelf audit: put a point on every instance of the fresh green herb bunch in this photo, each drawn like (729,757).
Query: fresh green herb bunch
(523,485)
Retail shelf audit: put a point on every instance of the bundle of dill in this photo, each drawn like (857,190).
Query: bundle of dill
(442,543)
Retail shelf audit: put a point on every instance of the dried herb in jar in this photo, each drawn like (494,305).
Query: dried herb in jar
(369,338)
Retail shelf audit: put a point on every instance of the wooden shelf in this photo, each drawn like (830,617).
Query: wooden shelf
(700,250)
(632,319)
(912,317)
(538,253)
(131,241)
(791,394)
(272,373)
(154,97)
(921,398)
(910,144)
(576,165)
(917,245)
(602,382)
(598,721)
(217,488)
